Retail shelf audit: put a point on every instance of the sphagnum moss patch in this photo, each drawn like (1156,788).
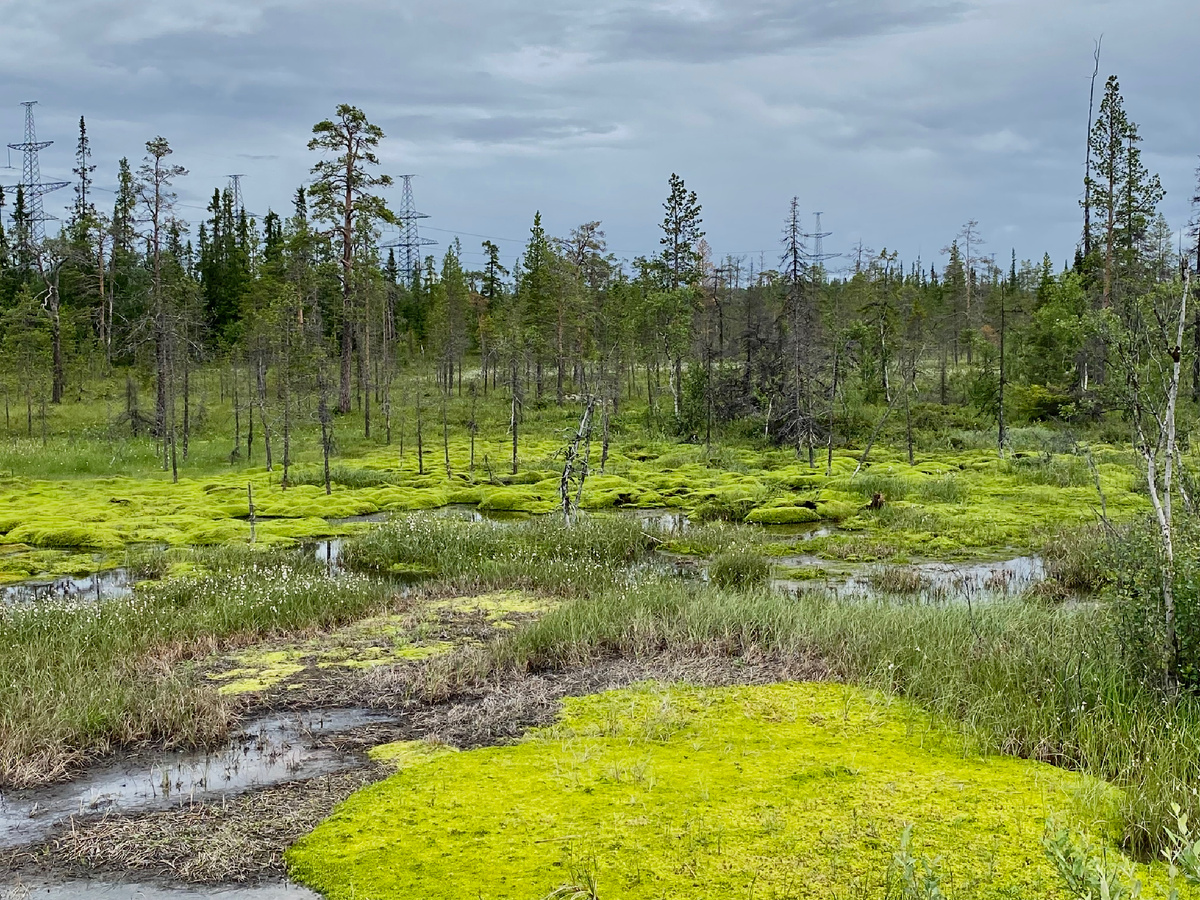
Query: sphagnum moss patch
(797,790)
(380,640)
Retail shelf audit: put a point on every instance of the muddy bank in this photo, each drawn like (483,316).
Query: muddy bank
(112,890)
(241,839)
(271,750)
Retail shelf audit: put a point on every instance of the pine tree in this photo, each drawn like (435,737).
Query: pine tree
(22,226)
(488,306)
(155,192)
(799,325)
(537,296)
(341,195)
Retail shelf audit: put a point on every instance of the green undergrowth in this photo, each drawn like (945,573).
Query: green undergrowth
(1024,679)
(787,790)
(950,503)
(407,754)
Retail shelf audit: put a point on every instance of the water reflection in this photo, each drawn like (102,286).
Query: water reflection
(270,751)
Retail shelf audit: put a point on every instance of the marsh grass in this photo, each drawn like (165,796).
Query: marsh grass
(1061,471)
(739,568)
(1081,559)
(346,476)
(946,489)
(544,552)
(897,580)
(1028,680)
(80,681)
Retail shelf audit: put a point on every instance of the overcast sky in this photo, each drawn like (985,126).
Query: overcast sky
(899,119)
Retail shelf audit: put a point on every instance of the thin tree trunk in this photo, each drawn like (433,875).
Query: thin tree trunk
(323,416)
(249,410)
(446,437)
(513,417)
(237,414)
(187,396)
(832,410)
(564,485)
(420,438)
(262,411)
(59,378)
(874,434)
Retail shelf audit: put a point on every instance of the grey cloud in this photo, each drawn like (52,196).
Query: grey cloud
(524,129)
(707,32)
(899,118)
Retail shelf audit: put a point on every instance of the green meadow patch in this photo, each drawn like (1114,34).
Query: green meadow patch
(789,790)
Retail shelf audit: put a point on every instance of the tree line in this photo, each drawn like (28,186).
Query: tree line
(309,318)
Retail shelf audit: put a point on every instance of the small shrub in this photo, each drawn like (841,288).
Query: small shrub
(946,489)
(1051,470)
(351,478)
(739,567)
(1078,559)
(897,580)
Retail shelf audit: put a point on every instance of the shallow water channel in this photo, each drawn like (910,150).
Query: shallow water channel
(107,584)
(271,750)
(927,581)
(110,890)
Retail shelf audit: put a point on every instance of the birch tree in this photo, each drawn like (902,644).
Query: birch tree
(1147,344)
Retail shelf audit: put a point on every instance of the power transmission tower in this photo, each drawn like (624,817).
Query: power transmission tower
(235,193)
(31,179)
(410,241)
(235,197)
(818,257)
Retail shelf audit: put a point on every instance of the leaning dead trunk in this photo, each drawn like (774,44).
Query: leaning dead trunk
(564,487)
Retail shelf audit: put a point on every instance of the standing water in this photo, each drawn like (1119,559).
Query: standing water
(273,750)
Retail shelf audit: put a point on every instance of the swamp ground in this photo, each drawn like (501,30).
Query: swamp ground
(844,636)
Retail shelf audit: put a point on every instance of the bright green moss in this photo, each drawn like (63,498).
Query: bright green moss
(499,605)
(795,790)
(64,533)
(373,656)
(835,510)
(524,500)
(256,671)
(407,754)
(381,640)
(967,502)
(783,515)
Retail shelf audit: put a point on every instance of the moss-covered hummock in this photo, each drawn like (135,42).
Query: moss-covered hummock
(952,503)
(382,640)
(794,790)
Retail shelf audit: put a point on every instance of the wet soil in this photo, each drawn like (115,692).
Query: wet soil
(241,839)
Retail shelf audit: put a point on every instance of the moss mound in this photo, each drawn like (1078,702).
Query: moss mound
(783,515)
(797,790)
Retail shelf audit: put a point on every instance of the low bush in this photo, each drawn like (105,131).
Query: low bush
(739,568)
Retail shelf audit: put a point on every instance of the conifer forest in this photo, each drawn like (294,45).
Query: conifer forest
(335,565)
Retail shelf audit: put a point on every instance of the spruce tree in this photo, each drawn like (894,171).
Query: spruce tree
(83,211)
(1122,190)
(682,266)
